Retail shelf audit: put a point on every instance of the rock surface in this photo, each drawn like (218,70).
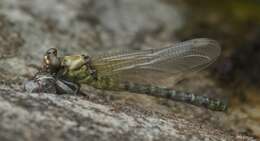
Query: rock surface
(29,27)
(52,117)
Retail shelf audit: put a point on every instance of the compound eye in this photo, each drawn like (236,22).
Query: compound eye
(85,57)
(52,51)
(55,51)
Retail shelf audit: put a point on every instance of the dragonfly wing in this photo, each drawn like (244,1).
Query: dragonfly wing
(183,57)
(116,62)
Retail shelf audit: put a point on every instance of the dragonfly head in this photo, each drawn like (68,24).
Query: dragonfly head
(51,61)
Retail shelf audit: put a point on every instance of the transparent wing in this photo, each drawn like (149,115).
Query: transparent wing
(192,55)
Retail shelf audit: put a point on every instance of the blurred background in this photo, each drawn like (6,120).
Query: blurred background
(29,27)
(235,24)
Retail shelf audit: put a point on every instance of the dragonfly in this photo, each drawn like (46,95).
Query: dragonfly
(111,71)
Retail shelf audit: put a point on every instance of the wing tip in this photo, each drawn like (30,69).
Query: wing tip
(207,42)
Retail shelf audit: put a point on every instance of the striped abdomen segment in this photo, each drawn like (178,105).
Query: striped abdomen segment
(213,104)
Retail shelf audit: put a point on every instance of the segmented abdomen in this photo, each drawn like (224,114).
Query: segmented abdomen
(213,104)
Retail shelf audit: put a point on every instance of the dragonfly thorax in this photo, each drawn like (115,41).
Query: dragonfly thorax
(78,67)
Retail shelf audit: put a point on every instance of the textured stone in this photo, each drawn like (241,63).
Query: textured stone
(63,117)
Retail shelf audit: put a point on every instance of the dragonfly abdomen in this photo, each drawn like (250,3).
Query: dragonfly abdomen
(213,104)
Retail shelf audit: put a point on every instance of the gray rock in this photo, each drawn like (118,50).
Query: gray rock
(44,116)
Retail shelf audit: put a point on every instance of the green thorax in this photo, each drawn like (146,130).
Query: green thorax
(75,70)
(83,76)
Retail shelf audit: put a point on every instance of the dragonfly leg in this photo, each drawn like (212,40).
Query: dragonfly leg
(91,68)
(68,87)
(75,85)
